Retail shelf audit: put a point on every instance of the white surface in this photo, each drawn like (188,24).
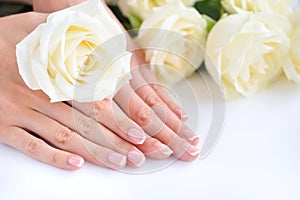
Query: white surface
(257,157)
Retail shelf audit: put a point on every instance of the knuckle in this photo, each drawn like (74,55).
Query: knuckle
(100,106)
(118,144)
(33,147)
(64,136)
(85,126)
(143,116)
(53,158)
(124,122)
(152,100)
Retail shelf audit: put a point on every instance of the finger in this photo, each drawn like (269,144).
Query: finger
(146,92)
(33,19)
(140,65)
(141,113)
(41,151)
(87,127)
(66,139)
(153,148)
(150,146)
(99,134)
(91,130)
(110,115)
(163,94)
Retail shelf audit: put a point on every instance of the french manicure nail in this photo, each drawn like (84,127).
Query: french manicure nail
(188,133)
(184,116)
(117,159)
(164,149)
(75,161)
(195,140)
(136,135)
(190,149)
(137,158)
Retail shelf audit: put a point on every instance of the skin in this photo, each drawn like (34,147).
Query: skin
(95,132)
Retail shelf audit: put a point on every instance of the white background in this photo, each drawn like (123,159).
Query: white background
(257,157)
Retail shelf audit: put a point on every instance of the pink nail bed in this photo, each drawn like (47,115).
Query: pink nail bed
(75,161)
(191,150)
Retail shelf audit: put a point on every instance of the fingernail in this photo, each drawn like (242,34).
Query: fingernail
(196,140)
(117,159)
(164,149)
(137,136)
(137,158)
(188,133)
(182,115)
(75,161)
(191,150)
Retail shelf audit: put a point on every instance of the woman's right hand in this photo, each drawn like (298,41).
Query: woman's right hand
(29,122)
(144,101)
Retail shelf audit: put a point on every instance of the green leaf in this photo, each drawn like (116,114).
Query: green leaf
(210,23)
(211,8)
(134,20)
(115,9)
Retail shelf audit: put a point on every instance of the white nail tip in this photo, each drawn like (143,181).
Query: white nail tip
(142,162)
(137,136)
(185,117)
(193,138)
(117,159)
(194,152)
(123,161)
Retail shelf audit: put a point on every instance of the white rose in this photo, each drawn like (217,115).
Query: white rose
(245,52)
(143,8)
(173,38)
(69,58)
(292,69)
(283,7)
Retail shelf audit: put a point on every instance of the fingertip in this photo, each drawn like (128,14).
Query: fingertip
(188,158)
(75,161)
(154,149)
(183,116)
(196,140)
(136,136)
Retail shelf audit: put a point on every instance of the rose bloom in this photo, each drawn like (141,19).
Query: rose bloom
(143,8)
(173,38)
(73,55)
(245,52)
(283,7)
(292,69)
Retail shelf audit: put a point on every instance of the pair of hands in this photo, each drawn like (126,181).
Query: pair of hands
(141,119)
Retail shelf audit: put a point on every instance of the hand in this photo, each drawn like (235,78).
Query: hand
(26,116)
(152,108)
(146,103)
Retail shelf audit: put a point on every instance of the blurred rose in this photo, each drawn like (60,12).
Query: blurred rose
(283,7)
(68,57)
(175,37)
(245,52)
(292,69)
(143,8)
